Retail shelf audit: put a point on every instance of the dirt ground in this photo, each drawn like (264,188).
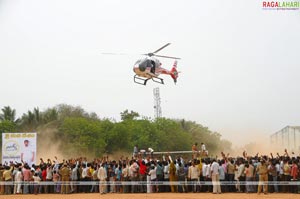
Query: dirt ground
(156,196)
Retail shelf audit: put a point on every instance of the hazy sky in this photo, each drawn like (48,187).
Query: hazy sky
(240,64)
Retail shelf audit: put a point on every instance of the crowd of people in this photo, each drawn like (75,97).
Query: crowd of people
(148,173)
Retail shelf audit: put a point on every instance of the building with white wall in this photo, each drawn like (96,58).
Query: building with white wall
(287,138)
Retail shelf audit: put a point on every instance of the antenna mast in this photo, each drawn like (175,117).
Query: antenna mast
(157,108)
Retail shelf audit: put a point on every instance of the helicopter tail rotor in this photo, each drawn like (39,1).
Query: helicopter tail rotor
(174,72)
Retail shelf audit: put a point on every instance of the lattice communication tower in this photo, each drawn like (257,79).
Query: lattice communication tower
(157,107)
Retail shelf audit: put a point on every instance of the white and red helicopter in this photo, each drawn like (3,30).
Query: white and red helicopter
(150,68)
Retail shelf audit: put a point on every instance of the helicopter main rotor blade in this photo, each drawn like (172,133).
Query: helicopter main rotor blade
(121,54)
(161,48)
(114,54)
(167,57)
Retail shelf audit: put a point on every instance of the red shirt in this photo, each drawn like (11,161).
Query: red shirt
(44,174)
(294,171)
(143,168)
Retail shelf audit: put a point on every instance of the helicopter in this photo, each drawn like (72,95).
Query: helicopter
(150,68)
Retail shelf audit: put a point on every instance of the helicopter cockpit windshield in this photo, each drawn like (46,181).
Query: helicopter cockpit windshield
(137,62)
(146,63)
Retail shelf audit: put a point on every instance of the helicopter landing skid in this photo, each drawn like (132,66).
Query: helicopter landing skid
(143,81)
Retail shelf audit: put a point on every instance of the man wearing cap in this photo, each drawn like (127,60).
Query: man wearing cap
(262,171)
(172,175)
(65,177)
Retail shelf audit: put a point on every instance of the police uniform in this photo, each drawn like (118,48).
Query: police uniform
(262,171)
(172,171)
(65,177)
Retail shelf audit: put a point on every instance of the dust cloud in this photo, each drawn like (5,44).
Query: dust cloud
(253,142)
(48,146)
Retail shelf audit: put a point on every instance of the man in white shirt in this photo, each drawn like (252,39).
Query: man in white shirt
(153,176)
(208,175)
(18,180)
(74,177)
(203,176)
(166,168)
(215,177)
(203,150)
(28,154)
(193,175)
(102,175)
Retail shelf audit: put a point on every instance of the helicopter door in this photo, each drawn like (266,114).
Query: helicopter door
(152,66)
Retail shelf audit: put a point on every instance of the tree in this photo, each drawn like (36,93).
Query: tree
(51,114)
(199,134)
(78,132)
(171,136)
(8,114)
(125,115)
(82,135)
(117,138)
(28,121)
(37,115)
(7,126)
(143,133)
(65,111)
(31,120)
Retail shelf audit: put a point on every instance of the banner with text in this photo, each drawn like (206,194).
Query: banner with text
(18,147)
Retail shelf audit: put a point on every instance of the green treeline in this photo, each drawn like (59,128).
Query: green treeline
(79,132)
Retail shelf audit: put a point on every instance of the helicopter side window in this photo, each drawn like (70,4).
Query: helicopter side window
(152,66)
(149,64)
